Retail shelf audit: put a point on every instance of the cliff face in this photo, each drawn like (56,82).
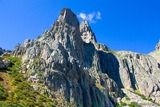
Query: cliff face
(79,71)
(140,72)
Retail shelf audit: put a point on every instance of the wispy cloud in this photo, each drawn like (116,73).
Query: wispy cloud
(91,17)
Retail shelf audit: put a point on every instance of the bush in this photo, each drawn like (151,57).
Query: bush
(121,104)
(134,104)
(6,104)
(3,93)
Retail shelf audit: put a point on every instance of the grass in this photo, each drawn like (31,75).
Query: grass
(144,97)
(3,93)
(129,104)
(98,85)
(21,93)
(134,104)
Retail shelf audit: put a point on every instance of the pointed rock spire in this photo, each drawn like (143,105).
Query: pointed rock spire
(87,34)
(66,29)
(67,16)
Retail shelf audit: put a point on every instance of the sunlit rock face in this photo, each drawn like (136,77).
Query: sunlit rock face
(156,52)
(140,72)
(87,34)
(79,71)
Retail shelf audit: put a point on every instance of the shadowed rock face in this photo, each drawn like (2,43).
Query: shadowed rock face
(79,71)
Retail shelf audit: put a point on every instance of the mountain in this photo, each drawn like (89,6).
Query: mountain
(67,64)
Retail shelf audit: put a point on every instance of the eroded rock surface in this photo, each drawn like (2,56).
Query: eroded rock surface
(140,72)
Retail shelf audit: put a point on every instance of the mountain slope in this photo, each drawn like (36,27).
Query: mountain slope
(16,91)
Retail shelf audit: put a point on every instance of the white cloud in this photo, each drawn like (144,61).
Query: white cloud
(98,15)
(82,15)
(91,17)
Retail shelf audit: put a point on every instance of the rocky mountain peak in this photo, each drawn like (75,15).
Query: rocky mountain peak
(79,71)
(65,31)
(158,46)
(85,24)
(87,34)
(67,16)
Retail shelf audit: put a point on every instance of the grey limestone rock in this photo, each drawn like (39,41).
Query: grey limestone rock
(70,67)
(78,70)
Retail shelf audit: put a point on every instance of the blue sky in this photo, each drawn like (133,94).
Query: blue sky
(123,24)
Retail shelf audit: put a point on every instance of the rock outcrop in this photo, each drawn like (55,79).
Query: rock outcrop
(79,71)
(156,53)
(3,63)
(1,51)
(140,72)
(87,34)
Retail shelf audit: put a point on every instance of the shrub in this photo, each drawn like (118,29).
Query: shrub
(134,104)
(23,94)
(3,93)
(121,104)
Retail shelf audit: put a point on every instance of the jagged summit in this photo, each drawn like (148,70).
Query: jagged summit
(87,33)
(67,16)
(85,23)
(64,31)
(88,36)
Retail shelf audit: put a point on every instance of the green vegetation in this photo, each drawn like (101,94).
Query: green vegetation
(131,104)
(20,92)
(134,104)
(3,93)
(121,104)
(144,97)
(99,86)
(126,102)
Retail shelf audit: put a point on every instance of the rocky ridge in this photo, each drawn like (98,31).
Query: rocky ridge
(79,71)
